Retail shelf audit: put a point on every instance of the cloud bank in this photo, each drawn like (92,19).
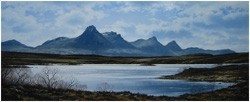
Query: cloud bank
(209,25)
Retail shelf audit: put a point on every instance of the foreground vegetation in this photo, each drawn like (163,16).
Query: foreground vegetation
(27,92)
(237,92)
(16,58)
(238,74)
(232,73)
(17,84)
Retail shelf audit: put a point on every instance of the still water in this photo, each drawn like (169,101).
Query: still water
(134,78)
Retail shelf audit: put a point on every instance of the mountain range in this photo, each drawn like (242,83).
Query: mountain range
(91,41)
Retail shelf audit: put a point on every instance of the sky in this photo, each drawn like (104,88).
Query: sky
(205,24)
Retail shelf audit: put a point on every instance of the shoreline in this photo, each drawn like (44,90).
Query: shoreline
(239,91)
(238,74)
(39,93)
(227,73)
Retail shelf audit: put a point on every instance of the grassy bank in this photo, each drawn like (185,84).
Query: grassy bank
(233,73)
(16,58)
(33,93)
(238,92)
(238,74)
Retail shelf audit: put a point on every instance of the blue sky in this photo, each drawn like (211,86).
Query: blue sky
(209,25)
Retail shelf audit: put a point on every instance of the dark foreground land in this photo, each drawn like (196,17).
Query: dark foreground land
(233,73)
(238,74)
(17,58)
(230,73)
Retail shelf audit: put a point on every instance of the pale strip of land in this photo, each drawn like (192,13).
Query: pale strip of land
(16,58)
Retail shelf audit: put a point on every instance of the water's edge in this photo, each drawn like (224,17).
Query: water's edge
(136,78)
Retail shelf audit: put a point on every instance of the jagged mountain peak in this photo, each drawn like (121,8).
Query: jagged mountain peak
(91,39)
(117,40)
(109,43)
(173,46)
(91,28)
(145,43)
(172,42)
(153,38)
(150,45)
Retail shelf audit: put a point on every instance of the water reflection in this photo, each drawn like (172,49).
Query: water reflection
(135,78)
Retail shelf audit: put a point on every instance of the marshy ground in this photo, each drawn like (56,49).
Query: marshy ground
(238,74)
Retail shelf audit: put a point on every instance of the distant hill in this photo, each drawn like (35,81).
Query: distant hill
(13,45)
(91,41)
(117,40)
(152,46)
(195,50)
(173,46)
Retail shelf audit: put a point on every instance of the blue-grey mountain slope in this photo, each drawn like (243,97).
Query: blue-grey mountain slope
(173,46)
(195,50)
(13,45)
(117,40)
(91,41)
(152,46)
(54,43)
(122,47)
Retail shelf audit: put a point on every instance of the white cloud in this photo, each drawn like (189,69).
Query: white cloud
(117,26)
(160,6)
(68,20)
(79,17)
(202,11)
(47,20)
(146,29)
(151,7)
(18,25)
(234,15)
(128,7)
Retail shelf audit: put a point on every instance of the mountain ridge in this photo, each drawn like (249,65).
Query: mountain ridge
(117,40)
(14,45)
(151,45)
(91,41)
